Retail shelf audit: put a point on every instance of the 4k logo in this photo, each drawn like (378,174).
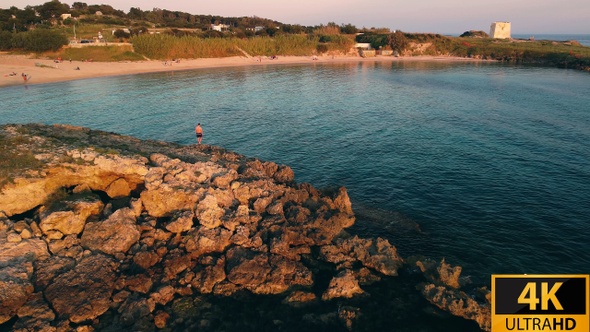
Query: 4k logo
(546,296)
(540,303)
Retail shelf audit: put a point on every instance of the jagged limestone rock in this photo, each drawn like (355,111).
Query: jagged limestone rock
(93,233)
(83,293)
(115,235)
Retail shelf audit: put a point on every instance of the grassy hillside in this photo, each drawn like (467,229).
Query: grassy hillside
(97,53)
(190,43)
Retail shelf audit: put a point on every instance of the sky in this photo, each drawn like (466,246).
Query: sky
(435,16)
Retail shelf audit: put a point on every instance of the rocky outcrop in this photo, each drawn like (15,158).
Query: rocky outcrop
(443,290)
(474,34)
(101,231)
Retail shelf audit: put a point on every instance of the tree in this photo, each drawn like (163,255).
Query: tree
(348,29)
(5,16)
(398,41)
(80,6)
(107,10)
(20,22)
(52,10)
(135,14)
(27,16)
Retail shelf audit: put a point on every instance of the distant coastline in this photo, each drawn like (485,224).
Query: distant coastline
(583,39)
(43,71)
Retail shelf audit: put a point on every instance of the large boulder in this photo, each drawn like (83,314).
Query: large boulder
(83,293)
(247,268)
(343,285)
(284,274)
(115,235)
(264,273)
(209,213)
(72,220)
(203,240)
(182,222)
(207,277)
(32,249)
(35,315)
(459,304)
(165,201)
(15,287)
(377,254)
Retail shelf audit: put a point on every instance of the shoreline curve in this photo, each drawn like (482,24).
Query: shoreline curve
(43,71)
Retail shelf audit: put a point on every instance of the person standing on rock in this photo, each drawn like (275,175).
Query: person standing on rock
(199,132)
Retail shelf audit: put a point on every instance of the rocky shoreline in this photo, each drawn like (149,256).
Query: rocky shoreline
(103,232)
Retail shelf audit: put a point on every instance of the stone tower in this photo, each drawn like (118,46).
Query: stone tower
(500,30)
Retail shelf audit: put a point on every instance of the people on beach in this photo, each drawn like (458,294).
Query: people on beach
(199,133)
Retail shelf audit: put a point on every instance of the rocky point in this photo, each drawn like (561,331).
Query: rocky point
(100,231)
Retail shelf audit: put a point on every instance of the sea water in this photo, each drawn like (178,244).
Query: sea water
(483,164)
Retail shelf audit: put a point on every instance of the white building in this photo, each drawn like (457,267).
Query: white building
(219,27)
(500,30)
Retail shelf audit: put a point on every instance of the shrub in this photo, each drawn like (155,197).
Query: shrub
(18,40)
(5,40)
(119,33)
(322,48)
(398,41)
(41,40)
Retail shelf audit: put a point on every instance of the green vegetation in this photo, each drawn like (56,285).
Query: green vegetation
(556,54)
(98,53)
(13,158)
(163,34)
(280,45)
(551,53)
(38,40)
(163,46)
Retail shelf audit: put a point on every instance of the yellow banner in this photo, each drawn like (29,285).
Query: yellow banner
(553,302)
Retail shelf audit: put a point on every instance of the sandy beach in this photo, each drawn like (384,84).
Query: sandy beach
(41,71)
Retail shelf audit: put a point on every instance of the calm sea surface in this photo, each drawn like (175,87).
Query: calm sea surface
(486,165)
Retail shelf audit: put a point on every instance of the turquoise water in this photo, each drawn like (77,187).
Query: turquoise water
(486,165)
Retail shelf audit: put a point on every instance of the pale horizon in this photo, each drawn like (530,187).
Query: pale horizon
(444,17)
